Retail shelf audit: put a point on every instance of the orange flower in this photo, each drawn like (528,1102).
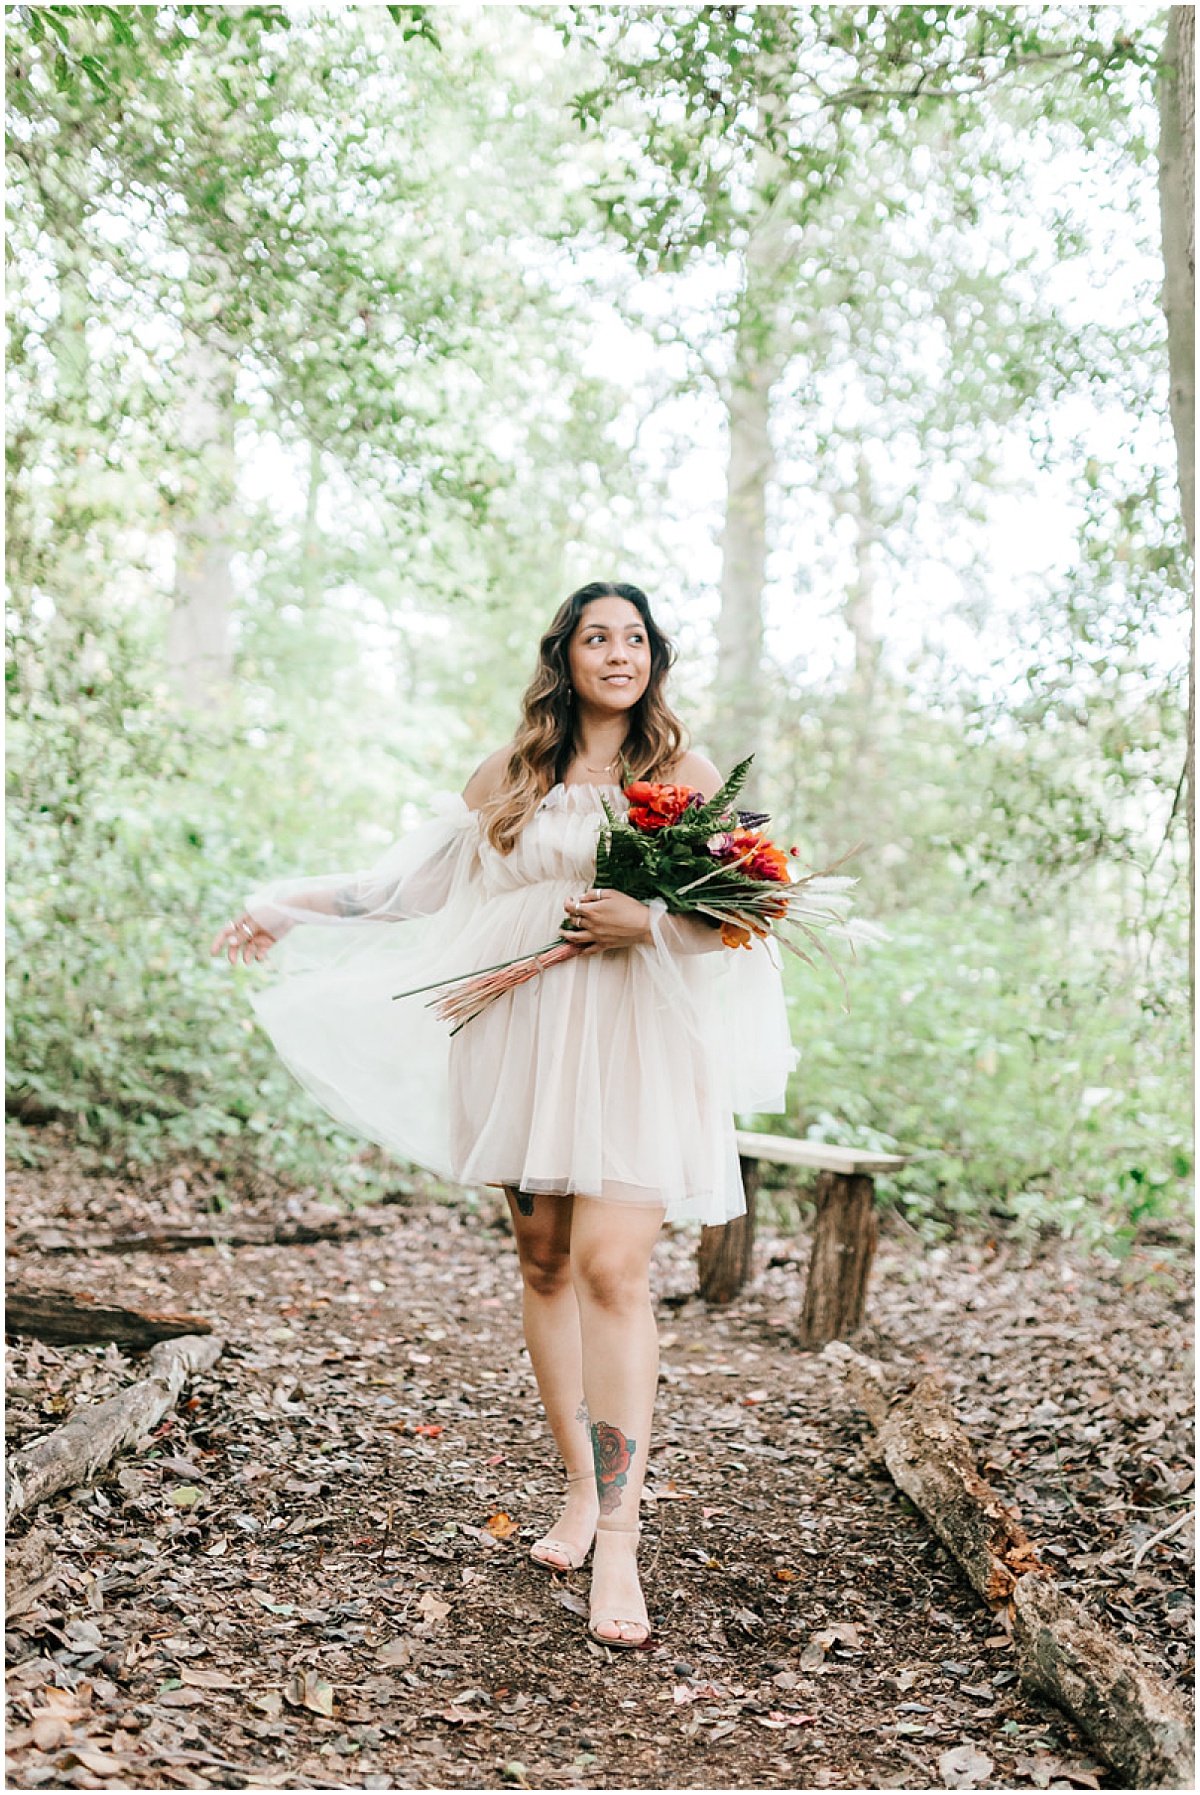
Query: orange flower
(733,935)
(654,807)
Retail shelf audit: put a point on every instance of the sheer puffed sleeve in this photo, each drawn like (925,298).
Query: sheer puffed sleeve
(377,1065)
(682,934)
(418,876)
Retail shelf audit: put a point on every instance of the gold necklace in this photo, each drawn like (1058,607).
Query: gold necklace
(608,767)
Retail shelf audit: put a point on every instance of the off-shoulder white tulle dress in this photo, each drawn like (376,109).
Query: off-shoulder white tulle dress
(614,1076)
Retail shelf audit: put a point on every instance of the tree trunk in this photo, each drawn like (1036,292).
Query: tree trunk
(726,1256)
(758,364)
(1136,1723)
(860,600)
(845,1234)
(73,1318)
(1176,194)
(199,637)
(865,777)
(93,1435)
(1177,205)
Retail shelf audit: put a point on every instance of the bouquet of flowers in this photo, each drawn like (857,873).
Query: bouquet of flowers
(701,857)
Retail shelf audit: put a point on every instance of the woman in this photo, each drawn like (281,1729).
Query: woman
(605,1088)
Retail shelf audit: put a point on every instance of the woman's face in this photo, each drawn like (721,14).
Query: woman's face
(609,655)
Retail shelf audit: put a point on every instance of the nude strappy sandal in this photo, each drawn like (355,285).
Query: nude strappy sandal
(575,1558)
(621,1620)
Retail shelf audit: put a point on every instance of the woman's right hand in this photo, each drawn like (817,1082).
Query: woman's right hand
(244,939)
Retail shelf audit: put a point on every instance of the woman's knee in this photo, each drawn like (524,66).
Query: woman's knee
(544,1268)
(612,1280)
(545,1264)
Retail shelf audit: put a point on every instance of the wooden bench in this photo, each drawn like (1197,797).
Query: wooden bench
(844,1235)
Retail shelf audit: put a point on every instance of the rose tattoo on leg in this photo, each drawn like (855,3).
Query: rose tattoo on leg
(613,1453)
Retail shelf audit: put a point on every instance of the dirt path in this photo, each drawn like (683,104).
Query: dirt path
(305,1580)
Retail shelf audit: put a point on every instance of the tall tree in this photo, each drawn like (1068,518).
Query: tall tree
(1177,200)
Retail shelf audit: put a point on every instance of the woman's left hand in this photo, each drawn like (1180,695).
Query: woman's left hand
(598,920)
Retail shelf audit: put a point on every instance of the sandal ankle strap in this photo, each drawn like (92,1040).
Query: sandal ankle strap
(581,1477)
(619,1527)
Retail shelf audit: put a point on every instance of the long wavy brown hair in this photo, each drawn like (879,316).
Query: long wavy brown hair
(545,744)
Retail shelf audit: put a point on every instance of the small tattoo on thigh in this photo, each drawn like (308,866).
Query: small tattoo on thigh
(581,1414)
(613,1452)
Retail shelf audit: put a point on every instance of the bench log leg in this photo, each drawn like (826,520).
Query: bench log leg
(844,1239)
(726,1254)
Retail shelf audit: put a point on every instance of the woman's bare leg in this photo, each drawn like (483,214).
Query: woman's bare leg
(610,1265)
(550,1315)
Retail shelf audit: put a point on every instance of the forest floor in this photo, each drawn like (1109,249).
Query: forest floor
(314,1573)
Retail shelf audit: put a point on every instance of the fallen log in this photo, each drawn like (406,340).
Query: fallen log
(1134,1721)
(75,1318)
(92,1435)
(170,1238)
(31,1567)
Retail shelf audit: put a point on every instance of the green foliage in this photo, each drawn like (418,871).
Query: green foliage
(1030,1078)
(123,844)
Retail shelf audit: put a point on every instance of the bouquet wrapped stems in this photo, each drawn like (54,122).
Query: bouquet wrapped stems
(471,992)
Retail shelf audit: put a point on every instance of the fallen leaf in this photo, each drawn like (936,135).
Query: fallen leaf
(501,1526)
(309,1691)
(181,1467)
(195,1678)
(186,1496)
(431,1608)
(568,1599)
(395,1653)
(1044,1769)
(69,1704)
(431,1429)
(785,1576)
(49,1730)
(102,1763)
(813,1655)
(182,1698)
(264,1601)
(964,1767)
(270,1704)
(775,1720)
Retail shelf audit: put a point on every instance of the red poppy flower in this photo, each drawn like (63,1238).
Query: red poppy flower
(654,807)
